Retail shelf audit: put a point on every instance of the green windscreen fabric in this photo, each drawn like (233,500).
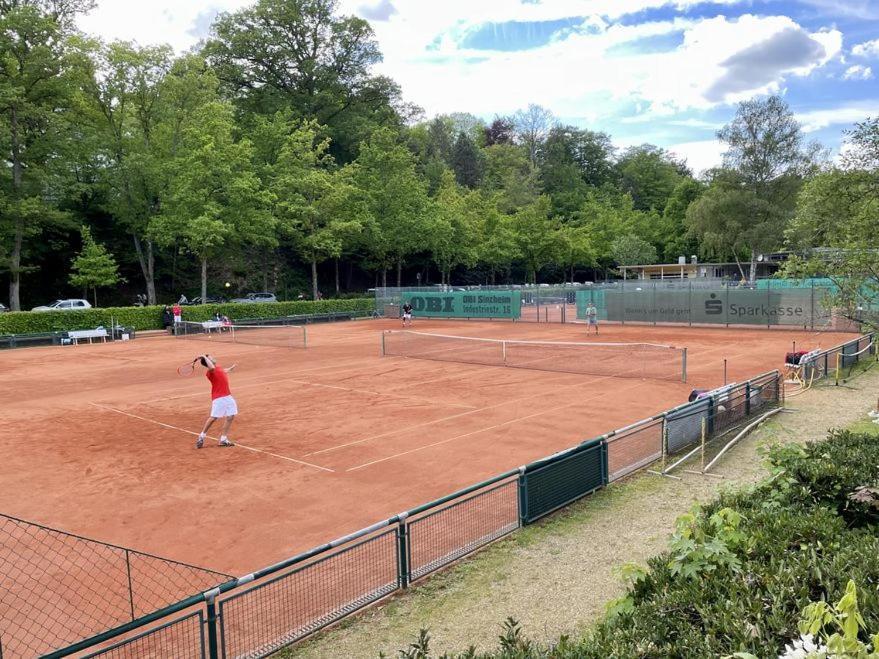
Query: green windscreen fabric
(466,304)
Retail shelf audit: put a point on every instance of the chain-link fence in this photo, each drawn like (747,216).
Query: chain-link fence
(58,587)
(255,615)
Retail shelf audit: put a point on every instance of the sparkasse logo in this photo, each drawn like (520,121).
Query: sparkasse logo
(713,306)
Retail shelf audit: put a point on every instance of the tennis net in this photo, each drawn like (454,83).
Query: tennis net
(278,336)
(632,360)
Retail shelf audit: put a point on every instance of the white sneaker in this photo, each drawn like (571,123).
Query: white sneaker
(224,441)
(199,442)
(873,414)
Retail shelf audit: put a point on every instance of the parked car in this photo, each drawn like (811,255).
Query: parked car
(64,305)
(257,297)
(207,300)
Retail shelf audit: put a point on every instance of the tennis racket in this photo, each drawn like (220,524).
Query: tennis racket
(186,369)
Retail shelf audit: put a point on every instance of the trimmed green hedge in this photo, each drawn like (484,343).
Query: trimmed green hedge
(147,318)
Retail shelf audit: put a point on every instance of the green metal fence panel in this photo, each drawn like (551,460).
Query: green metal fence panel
(465,304)
(550,484)
(444,535)
(183,637)
(259,620)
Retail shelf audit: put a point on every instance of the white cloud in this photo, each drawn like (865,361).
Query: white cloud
(858,72)
(700,155)
(716,63)
(815,120)
(867,49)
(179,23)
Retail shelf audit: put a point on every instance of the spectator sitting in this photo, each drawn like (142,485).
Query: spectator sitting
(167,319)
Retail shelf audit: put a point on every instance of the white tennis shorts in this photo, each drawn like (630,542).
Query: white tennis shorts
(407,316)
(225,406)
(177,319)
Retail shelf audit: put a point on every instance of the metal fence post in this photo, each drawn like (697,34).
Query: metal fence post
(130,589)
(403,552)
(684,365)
(523,497)
(213,645)
(748,398)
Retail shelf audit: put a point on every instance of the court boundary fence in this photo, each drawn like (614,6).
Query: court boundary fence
(114,585)
(262,612)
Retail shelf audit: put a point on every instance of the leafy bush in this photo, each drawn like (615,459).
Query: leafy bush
(146,318)
(750,574)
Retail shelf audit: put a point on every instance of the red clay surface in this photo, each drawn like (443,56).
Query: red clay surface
(99,439)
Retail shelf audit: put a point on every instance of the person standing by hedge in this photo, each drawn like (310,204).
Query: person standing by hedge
(178,314)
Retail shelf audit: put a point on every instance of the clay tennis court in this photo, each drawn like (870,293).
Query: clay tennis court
(99,439)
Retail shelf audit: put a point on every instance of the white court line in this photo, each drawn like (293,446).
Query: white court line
(343,367)
(448,418)
(190,432)
(325,386)
(481,430)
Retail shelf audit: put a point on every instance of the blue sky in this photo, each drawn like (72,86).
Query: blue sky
(668,72)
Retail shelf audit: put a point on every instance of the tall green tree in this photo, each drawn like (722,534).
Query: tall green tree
(467,161)
(396,201)
(537,236)
(123,101)
(749,204)
(215,198)
(314,203)
(632,250)
(304,56)
(649,175)
(576,248)
(36,96)
(836,227)
(94,267)
(453,227)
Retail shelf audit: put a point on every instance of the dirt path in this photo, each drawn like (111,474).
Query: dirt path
(555,577)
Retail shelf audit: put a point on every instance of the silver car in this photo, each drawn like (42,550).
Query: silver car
(257,297)
(64,305)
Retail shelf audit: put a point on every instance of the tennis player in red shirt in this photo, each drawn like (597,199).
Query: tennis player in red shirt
(223,406)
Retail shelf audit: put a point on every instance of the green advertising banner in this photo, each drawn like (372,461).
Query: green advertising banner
(733,306)
(465,304)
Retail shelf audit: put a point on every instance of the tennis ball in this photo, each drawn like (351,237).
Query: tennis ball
(228,284)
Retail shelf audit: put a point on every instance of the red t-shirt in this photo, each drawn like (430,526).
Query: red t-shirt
(219,382)
(175,309)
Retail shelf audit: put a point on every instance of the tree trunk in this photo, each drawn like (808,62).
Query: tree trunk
(147,263)
(204,279)
(313,278)
(384,277)
(753,277)
(18,238)
(572,274)
(399,272)
(15,268)
(95,292)
(338,289)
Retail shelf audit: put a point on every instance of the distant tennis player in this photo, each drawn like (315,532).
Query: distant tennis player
(407,314)
(223,406)
(591,318)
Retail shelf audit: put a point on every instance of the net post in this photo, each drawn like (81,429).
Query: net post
(724,371)
(384,354)
(304,336)
(504,349)
(683,364)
